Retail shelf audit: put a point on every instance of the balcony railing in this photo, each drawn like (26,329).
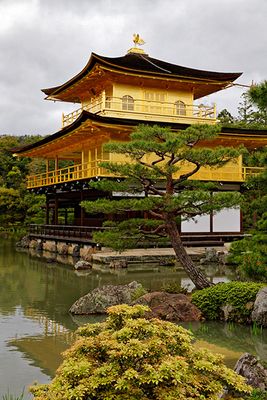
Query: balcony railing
(92,170)
(64,231)
(145,110)
(247,172)
(67,174)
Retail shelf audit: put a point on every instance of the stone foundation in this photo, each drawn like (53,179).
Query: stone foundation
(58,248)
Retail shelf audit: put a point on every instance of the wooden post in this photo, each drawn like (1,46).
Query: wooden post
(56,210)
(82,210)
(66,216)
(47,212)
(47,171)
(211,218)
(82,171)
(56,170)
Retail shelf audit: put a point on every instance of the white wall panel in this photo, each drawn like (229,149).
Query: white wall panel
(198,224)
(227,220)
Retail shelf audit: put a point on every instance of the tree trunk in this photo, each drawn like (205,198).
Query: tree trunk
(196,276)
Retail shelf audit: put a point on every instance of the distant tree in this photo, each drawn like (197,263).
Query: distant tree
(154,157)
(226,117)
(14,178)
(17,206)
(258,95)
(7,161)
(245,110)
(12,207)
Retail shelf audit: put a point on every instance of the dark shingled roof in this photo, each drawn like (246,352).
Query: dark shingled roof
(142,63)
(85,115)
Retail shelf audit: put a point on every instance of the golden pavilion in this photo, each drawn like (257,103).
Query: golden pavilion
(112,96)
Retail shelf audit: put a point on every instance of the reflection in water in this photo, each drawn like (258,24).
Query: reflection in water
(230,339)
(35,326)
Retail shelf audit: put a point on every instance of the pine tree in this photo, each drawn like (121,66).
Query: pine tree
(153,172)
(226,117)
(257,95)
(245,110)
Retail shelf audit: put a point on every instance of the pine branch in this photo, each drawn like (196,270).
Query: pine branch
(155,231)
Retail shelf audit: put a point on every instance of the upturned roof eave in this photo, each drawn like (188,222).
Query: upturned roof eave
(85,115)
(218,77)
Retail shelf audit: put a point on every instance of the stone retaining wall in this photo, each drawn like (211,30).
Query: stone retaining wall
(54,247)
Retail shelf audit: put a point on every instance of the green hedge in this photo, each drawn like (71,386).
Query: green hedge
(236,294)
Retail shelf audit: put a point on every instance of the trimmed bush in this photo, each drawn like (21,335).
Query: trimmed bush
(130,358)
(236,294)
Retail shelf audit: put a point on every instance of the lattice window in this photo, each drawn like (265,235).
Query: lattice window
(180,107)
(127,103)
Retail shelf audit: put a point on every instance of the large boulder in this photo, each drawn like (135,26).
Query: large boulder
(252,370)
(259,313)
(97,301)
(170,307)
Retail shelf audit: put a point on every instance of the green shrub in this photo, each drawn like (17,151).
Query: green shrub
(257,394)
(174,287)
(139,291)
(250,254)
(236,294)
(130,358)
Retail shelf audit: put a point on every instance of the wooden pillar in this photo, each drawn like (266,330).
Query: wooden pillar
(211,222)
(83,166)
(56,210)
(56,169)
(47,212)
(211,218)
(82,210)
(66,216)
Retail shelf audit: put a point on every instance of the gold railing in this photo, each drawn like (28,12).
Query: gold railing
(93,170)
(67,174)
(247,172)
(145,109)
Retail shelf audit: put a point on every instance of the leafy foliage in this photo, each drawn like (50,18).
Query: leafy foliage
(252,109)
(258,95)
(129,357)
(17,206)
(257,394)
(250,254)
(225,117)
(174,287)
(236,294)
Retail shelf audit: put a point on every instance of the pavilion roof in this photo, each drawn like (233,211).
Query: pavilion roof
(229,136)
(136,63)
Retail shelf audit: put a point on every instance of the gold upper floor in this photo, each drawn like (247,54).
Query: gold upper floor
(88,167)
(144,101)
(156,105)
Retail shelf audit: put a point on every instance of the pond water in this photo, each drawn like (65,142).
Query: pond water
(35,326)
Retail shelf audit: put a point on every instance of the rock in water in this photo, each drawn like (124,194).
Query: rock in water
(170,307)
(252,370)
(118,264)
(80,265)
(259,313)
(97,301)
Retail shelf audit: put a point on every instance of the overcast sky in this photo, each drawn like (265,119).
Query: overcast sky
(43,43)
